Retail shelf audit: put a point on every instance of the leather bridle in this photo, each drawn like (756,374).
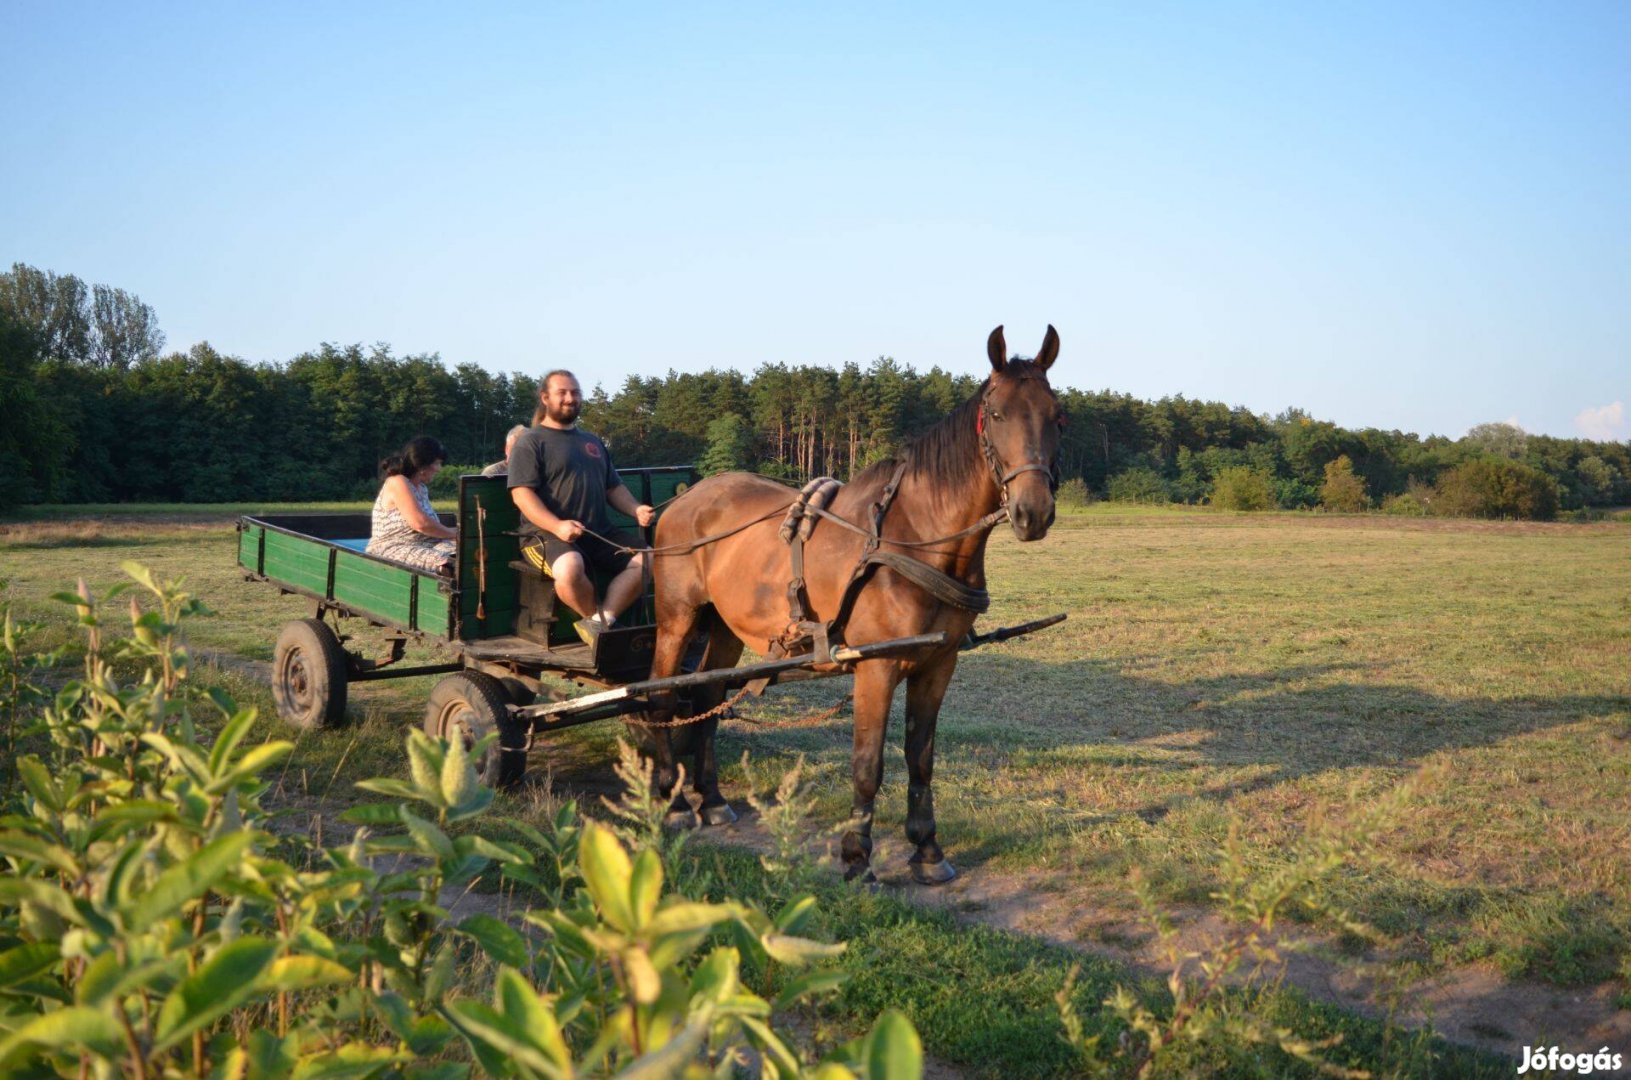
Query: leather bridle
(1001,476)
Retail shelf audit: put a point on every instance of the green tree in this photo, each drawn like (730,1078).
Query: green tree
(1492,487)
(55,307)
(123,329)
(1598,481)
(1500,439)
(730,446)
(34,441)
(1139,485)
(100,325)
(1343,491)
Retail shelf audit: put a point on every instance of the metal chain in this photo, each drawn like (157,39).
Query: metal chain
(682,721)
(730,703)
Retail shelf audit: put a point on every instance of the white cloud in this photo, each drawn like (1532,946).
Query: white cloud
(1602,423)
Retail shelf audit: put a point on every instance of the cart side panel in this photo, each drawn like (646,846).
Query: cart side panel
(499,601)
(435,607)
(297,561)
(249,547)
(655,487)
(378,589)
(666,483)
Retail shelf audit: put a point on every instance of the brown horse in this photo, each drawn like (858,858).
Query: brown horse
(996,449)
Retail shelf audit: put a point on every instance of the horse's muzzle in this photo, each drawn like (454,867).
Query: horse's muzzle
(1030,520)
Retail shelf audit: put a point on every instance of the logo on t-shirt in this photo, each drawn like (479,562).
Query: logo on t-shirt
(591,448)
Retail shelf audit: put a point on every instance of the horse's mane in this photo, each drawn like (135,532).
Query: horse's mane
(947,452)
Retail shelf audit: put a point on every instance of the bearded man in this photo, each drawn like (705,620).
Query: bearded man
(562,480)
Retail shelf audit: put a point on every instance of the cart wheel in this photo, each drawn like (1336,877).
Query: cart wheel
(468,706)
(309,675)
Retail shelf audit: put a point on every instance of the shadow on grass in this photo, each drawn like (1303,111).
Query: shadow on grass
(1218,739)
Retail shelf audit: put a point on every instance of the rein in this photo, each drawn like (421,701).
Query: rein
(989,521)
(821,637)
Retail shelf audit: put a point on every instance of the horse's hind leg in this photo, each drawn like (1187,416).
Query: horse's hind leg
(925,690)
(874,689)
(724,649)
(674,629)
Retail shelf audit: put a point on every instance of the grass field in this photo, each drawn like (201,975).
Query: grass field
(1217,672)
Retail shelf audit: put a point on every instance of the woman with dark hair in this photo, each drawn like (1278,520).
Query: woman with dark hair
(406,529)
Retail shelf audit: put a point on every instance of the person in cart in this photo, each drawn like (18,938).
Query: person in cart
(562,481)
(405,526)
(501,467)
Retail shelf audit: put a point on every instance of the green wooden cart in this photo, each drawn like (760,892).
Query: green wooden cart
(496,619)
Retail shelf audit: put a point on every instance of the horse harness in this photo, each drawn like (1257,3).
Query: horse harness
(820,638)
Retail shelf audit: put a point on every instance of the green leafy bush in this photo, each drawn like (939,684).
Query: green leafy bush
(1139,485)
(1241,487)
(1492,487)
(445,484)
(152,924)
(1291,493)
(1074,493)
(1405,504)
(1343,490)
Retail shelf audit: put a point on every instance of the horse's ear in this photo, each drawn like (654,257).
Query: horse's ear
(997,350)
(1050,349)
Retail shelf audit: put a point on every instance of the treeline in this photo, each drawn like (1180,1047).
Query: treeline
(95,411)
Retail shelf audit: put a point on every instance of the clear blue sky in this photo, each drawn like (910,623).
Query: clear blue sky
(1400,215)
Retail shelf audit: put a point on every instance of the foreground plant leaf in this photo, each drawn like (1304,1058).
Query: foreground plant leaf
(227,980)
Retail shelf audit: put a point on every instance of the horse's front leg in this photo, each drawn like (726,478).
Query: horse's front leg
(874,689)
(925,689)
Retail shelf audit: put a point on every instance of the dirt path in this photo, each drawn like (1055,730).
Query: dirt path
(1473,1006)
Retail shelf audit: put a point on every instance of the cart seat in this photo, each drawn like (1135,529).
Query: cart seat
(535,617)
(354,545)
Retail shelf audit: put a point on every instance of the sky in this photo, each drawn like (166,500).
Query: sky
(1411,216)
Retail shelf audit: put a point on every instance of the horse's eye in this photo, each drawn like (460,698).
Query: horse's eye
(995,415)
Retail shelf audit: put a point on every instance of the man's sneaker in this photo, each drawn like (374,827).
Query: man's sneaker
(589,628)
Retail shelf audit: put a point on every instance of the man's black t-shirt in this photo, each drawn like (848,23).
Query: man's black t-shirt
(571,471)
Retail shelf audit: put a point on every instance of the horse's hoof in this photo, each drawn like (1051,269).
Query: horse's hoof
(862,876)
(933,873)
(680,820)
(718,815)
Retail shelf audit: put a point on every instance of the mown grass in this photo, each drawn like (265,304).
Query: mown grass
(1216,669)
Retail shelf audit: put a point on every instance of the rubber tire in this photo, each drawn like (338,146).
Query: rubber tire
(309,675)
(474,703)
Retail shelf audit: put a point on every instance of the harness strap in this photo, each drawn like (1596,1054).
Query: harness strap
(795,530)
(941,586)
(834,630)
(1032,467)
